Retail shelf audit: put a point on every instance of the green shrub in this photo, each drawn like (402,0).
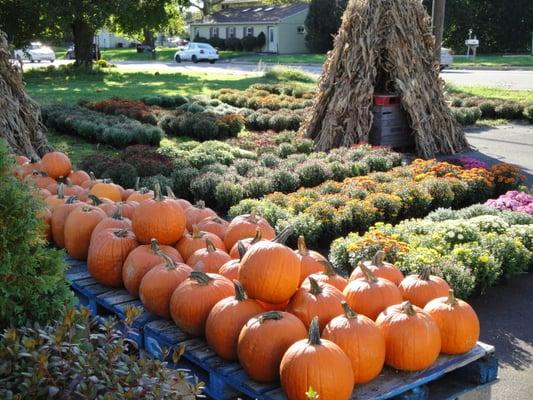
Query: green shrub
(285,181)
(286,149)
(228,194)
(181,180)
(203,187)
(313,173)
(257,187)
(269,160)
(467,115)
(34,286)
(244,166)
(488,109)
(165,101)
(150,181)
(528,113)
(510,110)
(249,43)
(121,173)
(233,43)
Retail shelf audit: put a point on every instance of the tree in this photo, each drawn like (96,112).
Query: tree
(206,7)
(322,23)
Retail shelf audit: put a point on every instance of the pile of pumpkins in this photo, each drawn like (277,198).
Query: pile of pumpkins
(281,313)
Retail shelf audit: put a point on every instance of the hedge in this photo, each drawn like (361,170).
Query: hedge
(202,125)
(134,109)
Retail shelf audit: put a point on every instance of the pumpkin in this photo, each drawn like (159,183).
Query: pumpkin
(422,288)
(56,164)
(320,299)
(40,179)
(141,195)
(190,242)
(371,295)
(196,213)
(182,202)
(56,200)
(457,321)
(412,337)
(78,229)
(194,298)
(26,170)
(274,307)
(127,208)
(230,269)
(215,225)
(245,244)
(46,216)
(310,261)
(72,190)
(159,283)
(319,364)
(107,253)
(226,320)
(160,219)
(143,259)
(328,276)
(78,177)
(208,259)
(59,218)
(91,182)
(361,340)
(21,160)
(115,221)
(263,341)
(379,268)
(43,193)
(100,202)
(108,190)
(245,226)
(270,272)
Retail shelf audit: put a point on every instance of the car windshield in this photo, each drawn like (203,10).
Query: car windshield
(36,46)
(204,46)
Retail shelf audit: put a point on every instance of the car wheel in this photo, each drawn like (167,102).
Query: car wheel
(178,59)
(52,61)
(212,61)
(194,59)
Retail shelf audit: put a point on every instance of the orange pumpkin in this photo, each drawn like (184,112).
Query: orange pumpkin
(215,225)
(143,259)
(78,229)
(115,221)
(141,195)
(159,283)
(40,179)
(43,193)
(25,170)
(91,182)
(190,242)
(78,177)
(328,276)
(100,202)
(56,164)
(320,299)
(270,272)
(196,213)
(371,295)
(108,190)
(127,208)
(46,216)
(226,320)
(379,268)
(59,218)
(208,259)
(21,160)
(311,261)
(72,190)
(231,268)
(274,307)
(245,226)
(182,202)
(412,337)
(160,219)
(194,298)
(263,341)
(107,253)
(457,321)
(319,364)
(422,288)
(245,244)
(55,200)
(361,340)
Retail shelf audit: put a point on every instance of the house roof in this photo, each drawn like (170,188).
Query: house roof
(257,14)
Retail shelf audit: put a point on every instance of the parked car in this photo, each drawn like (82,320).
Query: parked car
(71,55)
(35,52)
(196,52)
(446,58)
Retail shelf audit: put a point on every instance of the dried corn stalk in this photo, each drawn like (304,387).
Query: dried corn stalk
(20,116)
(383,46)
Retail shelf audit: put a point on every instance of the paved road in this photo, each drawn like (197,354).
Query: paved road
(515,79)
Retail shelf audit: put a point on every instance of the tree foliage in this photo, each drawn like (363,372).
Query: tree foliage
(322,23)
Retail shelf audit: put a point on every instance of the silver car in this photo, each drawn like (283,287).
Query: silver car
(36,52)
(196,52)
(446,58)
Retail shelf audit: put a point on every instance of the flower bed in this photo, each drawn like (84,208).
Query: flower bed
(202,125)
(332,209)
(513,200)
(471,248)
(118,131)
(134,109)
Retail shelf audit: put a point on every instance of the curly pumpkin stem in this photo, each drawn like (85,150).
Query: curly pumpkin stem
(425,273)
(348,311)
(452,300)
(95,200)
(378,258)
(314,333)
(369,276)
(157,192)
(170,193)
(302,247)
(408,309)
(137,183)
(71,200)
(241,249)
(314,289)
(270,315)
(209,245)
(121,233)
(61,191)
(117,214)
(200,277)
(328,267)
(196,232)
(282,237)
(240,295)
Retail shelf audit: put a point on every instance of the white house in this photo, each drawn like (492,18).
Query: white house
(106,39)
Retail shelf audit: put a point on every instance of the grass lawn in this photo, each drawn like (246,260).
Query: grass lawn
(493,61)
(282,58)
(493,93)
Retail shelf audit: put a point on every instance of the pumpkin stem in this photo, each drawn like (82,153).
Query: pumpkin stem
(137,182)
(348,311)
(240,295)
(118,212)
(424,274)
(282,237)
(170,193)
(407,308)
(154,246)
(196,232)
(157,192)
(253,216)
(302,247)
(93,177)
(378,258)
(68,182)
(315,289)
(95,200)
(258,236)
(143,190)
(241,249)
(314,333)
(452,300)
(270,315)
(71,200)
(121,233)
(61,191)
(200,277)
(328,267)
(200,204)
(369,276)
(209,245)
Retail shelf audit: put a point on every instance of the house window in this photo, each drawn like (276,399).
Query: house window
(230,32)
(301,30)
(271,35)
(250,31)
(196,32)
(213,32)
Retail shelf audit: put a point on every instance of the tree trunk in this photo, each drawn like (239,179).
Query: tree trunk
(149,38)
(83,43)
(20,116)
(437,22)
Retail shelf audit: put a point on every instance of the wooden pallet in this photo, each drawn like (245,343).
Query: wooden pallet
(227,380)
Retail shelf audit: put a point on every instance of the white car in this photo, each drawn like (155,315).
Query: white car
(36,52)
(446,58)
(197,52)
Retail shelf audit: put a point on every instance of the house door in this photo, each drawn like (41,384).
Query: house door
(271,41)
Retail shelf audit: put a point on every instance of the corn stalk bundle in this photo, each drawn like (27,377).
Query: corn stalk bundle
(20,116)
(383,46)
